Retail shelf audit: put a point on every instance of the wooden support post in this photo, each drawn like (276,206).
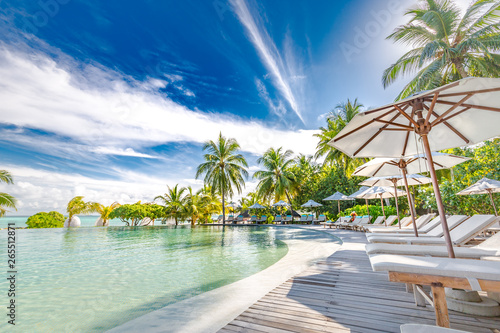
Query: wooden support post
(440,306)
(419,298)
(409,287)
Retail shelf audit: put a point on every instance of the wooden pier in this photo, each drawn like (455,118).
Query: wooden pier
(343,294)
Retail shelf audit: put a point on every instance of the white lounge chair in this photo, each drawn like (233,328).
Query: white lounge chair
(421,328)
(380,223)
(489,248)
(439,273)
(409,231)
(407,228)
(459,234)
(277,219)
(437,231)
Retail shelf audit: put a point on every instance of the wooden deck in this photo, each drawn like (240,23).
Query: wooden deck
(343,294)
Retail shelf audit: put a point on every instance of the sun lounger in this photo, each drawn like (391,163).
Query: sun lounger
(381,223)
(436,231)
(439,273)
(420,222)
(262,219)
(354,225)
(277,219)
(490,247)
(460,234)
(303,219)
(364,223)
(288,219)
(253,219)
(321,218)
(421,328)
(310,219)
(238,219)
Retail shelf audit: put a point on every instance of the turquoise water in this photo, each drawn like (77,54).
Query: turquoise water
(87,221)
(93,279)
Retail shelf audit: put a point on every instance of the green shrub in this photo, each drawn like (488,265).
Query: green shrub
(46,220)
(375,211)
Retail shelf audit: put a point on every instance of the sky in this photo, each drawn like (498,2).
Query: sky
(113,100)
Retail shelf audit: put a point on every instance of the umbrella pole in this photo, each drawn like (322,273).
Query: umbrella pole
(437,192)
(367,211)
(338,202)
(410,202)
(493,203)
(383,212)
(396,198)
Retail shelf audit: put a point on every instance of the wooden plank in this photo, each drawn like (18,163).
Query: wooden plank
(343,294)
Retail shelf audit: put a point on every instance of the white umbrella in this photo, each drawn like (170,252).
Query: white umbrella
(311,204)
(361,190)
(376,192)
(380,167)
(256,206)
(461,113)
(394,166)
(484,186)
(281,204)
(396,181)
(337,196)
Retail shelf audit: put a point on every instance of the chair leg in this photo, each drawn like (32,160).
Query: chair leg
(440,306)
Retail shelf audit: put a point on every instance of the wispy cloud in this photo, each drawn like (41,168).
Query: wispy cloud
(268,52)
(111,111)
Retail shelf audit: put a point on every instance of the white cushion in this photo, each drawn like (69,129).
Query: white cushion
(430,250)
(461,268)
(420,328)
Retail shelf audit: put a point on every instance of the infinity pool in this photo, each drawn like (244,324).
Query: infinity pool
(93,279)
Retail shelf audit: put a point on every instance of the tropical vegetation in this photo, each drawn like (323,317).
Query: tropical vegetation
(46,220)
(6,200)
(445,45)
(224,168)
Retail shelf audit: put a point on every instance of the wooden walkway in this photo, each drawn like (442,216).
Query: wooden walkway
(343,294)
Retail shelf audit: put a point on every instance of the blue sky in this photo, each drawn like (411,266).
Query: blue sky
(113,99)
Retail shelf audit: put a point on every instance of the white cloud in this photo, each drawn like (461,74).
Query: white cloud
(109,111)
(267,51)
(120,152)
(50,190)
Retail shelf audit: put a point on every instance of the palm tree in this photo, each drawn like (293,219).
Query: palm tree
(174,201)
(195,204)
(336,121)
(223,168)
(78,206)
(277,179)
(447,47)
(104,211)
(6,200)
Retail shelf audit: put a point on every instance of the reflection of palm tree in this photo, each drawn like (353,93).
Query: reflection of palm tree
(277,179)
(336,121)
(223,168)
(446,46)
(104,211)
(174,201)
(6,200)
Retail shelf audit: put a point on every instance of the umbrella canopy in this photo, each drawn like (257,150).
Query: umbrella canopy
(461,113)
(483,186)
(361,190)
(376,192)
(311,204)
(256,206)
(232,205)
(396,181)
(281,204)
(413,164)
(337,196)
(380,167)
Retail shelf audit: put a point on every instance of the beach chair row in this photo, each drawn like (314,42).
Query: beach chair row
(424,260)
